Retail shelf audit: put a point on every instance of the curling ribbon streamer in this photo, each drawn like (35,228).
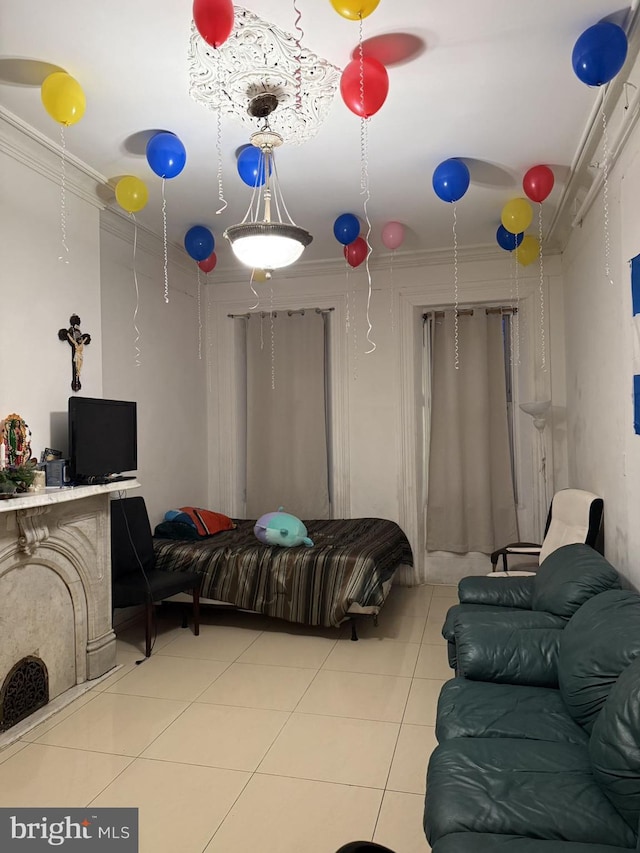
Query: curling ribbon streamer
(136,341)
(63,197)
(164,243)
(364,190)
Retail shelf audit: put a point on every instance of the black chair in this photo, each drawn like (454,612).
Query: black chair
(364,847)
(134,577)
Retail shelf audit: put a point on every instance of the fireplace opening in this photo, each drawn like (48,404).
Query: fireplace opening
(25,689)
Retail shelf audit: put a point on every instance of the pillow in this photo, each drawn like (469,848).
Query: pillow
(203,521)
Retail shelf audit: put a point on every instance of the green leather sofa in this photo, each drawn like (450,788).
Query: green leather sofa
(567,578)
(547,765)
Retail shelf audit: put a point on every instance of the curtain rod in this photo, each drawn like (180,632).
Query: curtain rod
(287,311)
(503,309)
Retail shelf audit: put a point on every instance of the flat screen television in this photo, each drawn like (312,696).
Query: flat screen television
(102,439)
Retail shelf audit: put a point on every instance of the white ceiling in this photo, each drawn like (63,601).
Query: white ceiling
(493,83)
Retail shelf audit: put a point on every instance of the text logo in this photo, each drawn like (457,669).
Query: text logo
(69,830)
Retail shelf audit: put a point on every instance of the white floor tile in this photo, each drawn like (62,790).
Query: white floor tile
(423,702)
(298,650)
(249,685)
(330,749)
(351,694)
(121,725)
(409,766)
(219,736)
(216,642)
(165,677)
(433,662)
(41,775)
(373,656)
(400,823)
(180,805)
(279,815)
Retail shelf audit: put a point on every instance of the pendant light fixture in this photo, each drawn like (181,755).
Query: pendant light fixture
(264,239)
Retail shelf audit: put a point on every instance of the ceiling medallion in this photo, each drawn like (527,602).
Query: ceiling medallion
(259,57)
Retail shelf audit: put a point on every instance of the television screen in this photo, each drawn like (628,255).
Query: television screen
(102,439)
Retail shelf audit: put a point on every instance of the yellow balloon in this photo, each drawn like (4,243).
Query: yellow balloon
(63,98)
(517,215)
(260,276)
(354,10)
(131,194)
(528,251)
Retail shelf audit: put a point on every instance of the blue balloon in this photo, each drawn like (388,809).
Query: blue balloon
(599,53)
(166,154)
(251,166)
(507,240)
(346,228)
(451,180)
(199,242)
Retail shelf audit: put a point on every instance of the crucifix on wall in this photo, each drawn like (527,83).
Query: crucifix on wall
(77,341)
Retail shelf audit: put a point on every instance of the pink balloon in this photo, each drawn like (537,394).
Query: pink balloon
(393,235)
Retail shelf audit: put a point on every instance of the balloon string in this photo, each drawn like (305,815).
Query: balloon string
(605,197)
(354,322)
(221,197)
(209,345)
(543,345)
(164,241)
(63,197)
(513,260)
(517,316)
(261,331)
(393,292)
(347,319)
(364,190)
(135,281)
(273,344)
(255,292)
(298,72)
(456,330)
(199,315)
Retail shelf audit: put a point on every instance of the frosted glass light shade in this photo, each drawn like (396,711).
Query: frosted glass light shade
(536,409)
(267,245)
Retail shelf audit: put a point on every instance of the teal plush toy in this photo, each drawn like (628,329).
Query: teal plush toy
(280,528)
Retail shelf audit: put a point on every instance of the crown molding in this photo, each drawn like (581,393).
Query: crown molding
(28,146)
(586,173)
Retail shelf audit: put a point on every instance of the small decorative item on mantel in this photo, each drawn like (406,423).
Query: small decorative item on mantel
(17,470)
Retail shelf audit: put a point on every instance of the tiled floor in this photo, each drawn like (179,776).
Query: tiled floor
(255,735)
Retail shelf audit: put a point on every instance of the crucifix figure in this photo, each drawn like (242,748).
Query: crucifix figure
(77,341)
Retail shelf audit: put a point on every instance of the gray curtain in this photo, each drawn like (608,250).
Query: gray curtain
(287,463)
(470,505)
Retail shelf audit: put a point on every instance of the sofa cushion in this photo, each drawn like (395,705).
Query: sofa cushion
(484,709)
(501,592)
(523,618)
(514,647)
(570,576)
(481,842)
(599,642)
(519,787)
(615,745)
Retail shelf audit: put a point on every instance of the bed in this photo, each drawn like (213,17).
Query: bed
(348,571)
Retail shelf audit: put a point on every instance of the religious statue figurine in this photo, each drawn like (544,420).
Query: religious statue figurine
(77,341)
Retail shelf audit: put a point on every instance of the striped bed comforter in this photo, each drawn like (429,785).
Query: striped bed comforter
(349,563)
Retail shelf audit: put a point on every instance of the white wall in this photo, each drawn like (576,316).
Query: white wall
(168,377)
(602,356)
(39,293)
(379,421)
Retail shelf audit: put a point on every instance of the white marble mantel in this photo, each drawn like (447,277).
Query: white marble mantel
(55,582)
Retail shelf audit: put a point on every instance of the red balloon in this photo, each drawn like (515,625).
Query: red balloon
(356,252)
(375,86)
(213,20)
(538,183)
(209,263)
